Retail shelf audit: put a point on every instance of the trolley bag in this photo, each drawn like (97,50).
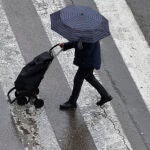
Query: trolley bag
(29,79)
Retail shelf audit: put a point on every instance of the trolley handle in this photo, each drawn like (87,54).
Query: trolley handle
(53,47)
(56,54)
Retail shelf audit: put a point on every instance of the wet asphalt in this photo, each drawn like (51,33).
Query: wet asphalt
(141,12)
(8,136)
(69,126)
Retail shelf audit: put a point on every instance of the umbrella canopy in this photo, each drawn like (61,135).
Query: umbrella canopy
(76,22)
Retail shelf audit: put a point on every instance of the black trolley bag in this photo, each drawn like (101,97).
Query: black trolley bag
(28,81)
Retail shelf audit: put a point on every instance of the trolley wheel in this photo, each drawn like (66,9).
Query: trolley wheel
(21,100)
(38,103)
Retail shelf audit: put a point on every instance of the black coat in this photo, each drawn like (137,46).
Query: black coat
(87,57)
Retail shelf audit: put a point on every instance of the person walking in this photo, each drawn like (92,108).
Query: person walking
(83,27)
(87,58)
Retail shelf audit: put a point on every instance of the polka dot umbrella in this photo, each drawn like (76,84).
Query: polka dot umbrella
(76,22)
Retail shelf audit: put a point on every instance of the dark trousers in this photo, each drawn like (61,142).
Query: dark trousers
(86,74)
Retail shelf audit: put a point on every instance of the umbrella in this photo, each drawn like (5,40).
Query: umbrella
(76,22)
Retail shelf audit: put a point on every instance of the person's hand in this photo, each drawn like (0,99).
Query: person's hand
(61,45)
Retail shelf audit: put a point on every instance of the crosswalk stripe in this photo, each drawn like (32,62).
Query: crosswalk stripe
(11,62)
(130,42)
(102,124)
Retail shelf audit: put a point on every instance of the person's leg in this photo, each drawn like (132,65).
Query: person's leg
(105,96)
(78,81)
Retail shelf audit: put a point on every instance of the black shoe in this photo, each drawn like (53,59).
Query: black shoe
(104,100)
(68,105)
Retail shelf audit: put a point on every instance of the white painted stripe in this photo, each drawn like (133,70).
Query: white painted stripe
(11,63)
(105,129)
(130,42)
